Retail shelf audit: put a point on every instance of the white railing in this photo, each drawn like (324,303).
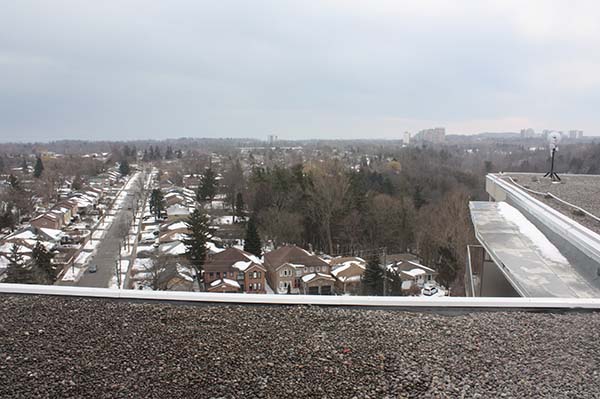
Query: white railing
(271,299)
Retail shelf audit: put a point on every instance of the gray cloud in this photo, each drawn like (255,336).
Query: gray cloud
(137,69)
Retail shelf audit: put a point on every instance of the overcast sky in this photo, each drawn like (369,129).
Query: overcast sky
(300,69)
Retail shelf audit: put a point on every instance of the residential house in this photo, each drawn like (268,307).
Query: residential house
(62,212)
(224,285)
(174,198)
(348,273)
(177,212)
(234,264)
(254,276)
(176,278)
(47,220)
(318,284)
(413,273)
(287,265)
(191,181)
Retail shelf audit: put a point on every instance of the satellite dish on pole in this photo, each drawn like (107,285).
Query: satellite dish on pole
(553,139)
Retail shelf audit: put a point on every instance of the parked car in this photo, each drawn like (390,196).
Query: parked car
(429,290)
(93,268)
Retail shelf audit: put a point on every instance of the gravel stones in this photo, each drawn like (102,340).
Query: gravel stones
(70,347)
(579,190)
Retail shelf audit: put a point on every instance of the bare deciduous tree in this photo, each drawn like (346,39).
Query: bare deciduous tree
(328,190)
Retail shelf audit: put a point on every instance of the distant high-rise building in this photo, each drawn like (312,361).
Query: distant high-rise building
(527,133)
(436,135)
(546,133)
(575,134)
(406,139)
(271,139)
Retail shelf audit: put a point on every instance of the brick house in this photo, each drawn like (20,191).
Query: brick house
(287,265)
(47,220)
(234,264)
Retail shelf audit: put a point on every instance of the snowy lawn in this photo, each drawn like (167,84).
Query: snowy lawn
(73,273)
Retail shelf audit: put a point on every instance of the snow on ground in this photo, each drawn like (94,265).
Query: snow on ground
(145,248)
(126,250)
(103,226)
(124,266)
(546,248)
(73,273)
(83,258)
(114,283)
(98,234)
(212,248)
(178,225)
(223,220)
(123,273)
(268,288)
(216,204)
(132,180)
(91,245)
(142,264)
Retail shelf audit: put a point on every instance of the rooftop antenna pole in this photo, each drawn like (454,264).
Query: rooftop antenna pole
(554,139)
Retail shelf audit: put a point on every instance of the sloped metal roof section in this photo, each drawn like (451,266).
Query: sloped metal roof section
(530,262)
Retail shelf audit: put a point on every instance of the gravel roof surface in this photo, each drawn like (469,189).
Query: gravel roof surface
(580,190)
(95,348)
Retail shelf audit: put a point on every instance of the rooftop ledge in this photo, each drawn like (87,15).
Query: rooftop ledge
(581,237)
(353,301)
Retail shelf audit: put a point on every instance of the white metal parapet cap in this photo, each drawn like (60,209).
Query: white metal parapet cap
(270,299)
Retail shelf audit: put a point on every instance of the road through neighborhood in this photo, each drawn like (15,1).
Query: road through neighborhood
(108,248)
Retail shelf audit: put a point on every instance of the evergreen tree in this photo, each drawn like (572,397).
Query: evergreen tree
(124,167)
(418,199)
(196,241)
(252,242)
(14,182)
(1,163)
(77,182)
(157,154)
(157,203)
(18,271)
(239,205)
(24,167)
(126,151)
(145,157)
(169,153)
(372,279)
(38,168)
(394,283)
(179,154)
(207,189)
(151,154)
(42,264)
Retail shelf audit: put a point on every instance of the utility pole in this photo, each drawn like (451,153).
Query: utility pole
(118,273)
(384,271)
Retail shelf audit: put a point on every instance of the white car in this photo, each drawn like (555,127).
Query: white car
(432,290)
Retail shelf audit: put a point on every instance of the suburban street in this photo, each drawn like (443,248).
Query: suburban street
(108,248)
